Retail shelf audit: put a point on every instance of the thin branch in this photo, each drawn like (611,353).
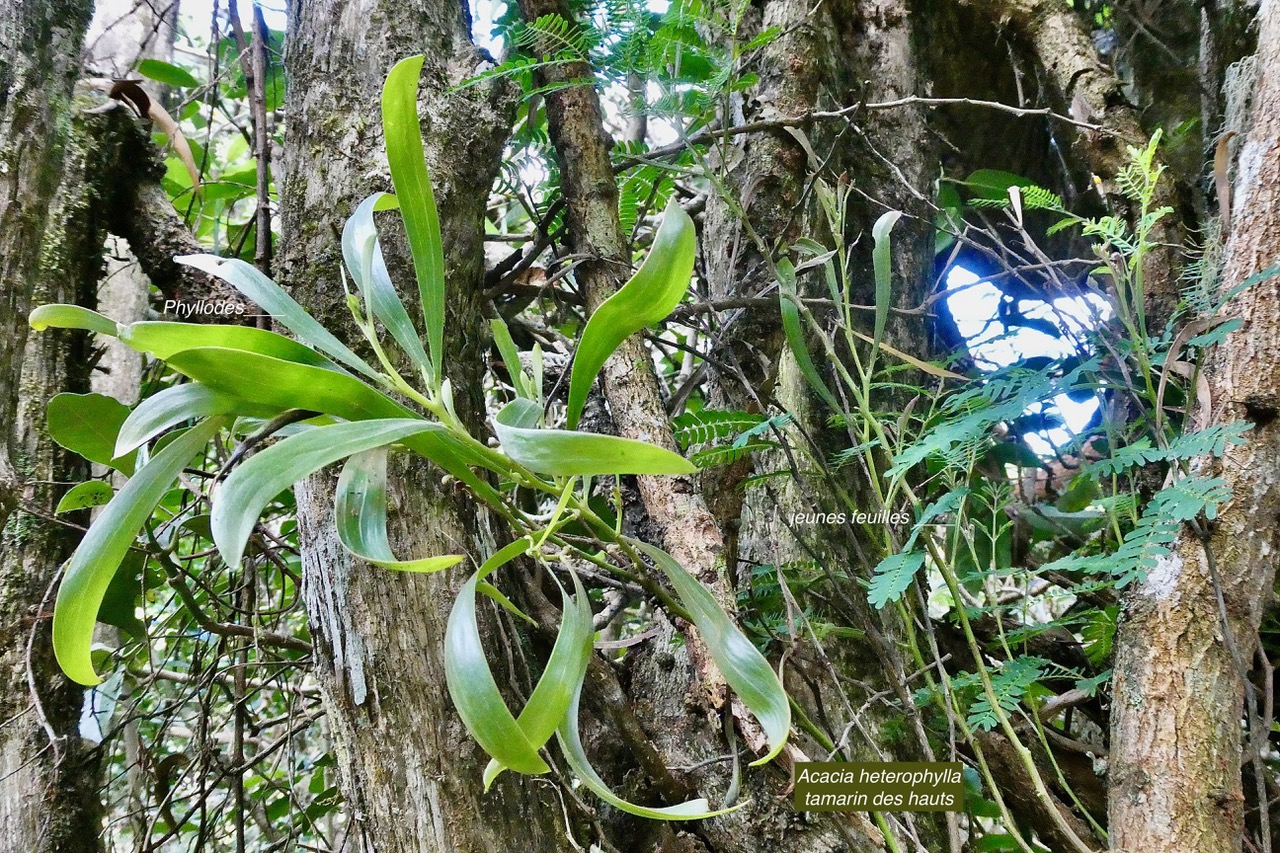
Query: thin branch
(713,130)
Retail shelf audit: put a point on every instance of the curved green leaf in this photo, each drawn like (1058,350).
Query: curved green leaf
(651,294)
(505,555)
(566,668)
(363,255)
(511,359)
(882,264)
(272,382)
(84,495)
(360,514)
(741,663)
(94,563)
(61,316)
(271,297)
(565,453)
(240,499)
(408,163)
(164,339)
(87,424)
(475,693)
(787,302)
(500,558)
(167,73)
(505,603)
(172,406)
(571,744)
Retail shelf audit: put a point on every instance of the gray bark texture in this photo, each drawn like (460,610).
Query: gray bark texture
(411,773)
(40,43)
(47,774)
(1189,637)
(50,777)
(72,178)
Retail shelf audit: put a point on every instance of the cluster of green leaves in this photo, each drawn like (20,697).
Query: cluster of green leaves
(1010,684)
(1011,546)
(1107,528)
(213,113)
(692,50)
(170,683)
(783,604)
(170,689)
(344,408)
(674,68)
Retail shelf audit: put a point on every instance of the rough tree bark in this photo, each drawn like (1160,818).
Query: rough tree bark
(1189,632)
(107,184)
(38,66)
(47,778)
(411,774)
(73,178)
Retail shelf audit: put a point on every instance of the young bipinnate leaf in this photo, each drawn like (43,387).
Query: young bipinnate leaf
(651,294)
(892,576)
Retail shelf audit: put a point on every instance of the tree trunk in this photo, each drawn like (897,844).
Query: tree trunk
(40,42)
(48,776)
(1189,633)
(411,773)
(794,70)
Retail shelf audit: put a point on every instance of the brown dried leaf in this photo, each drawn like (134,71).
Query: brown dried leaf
(1221,160)
(166,123)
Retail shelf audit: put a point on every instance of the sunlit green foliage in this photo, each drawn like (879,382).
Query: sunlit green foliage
(336,415)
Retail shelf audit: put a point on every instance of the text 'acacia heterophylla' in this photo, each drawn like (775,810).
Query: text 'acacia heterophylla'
(350,410)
